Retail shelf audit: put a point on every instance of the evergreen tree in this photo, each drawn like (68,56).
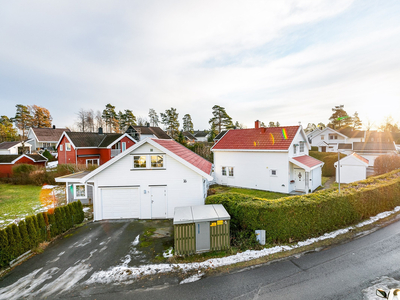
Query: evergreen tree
(12,245)
(356,121)
(23,119)
(187,123)
(340,118)
(238,125)
(30,227)
(153,116)
(220,119)
(271,124)
(170,120)
(25,242)
(4,249)
(17,238)
(110,117)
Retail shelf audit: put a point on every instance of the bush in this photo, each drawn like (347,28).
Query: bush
(53,225)
(25,243)
(68,217)
(41,229)
(48,155)
(386,163)
(314,148)
(46,221)
(12,245)
(329,160)
(30,227)
(301,217)
(18,240)
(4,249)
(81,214)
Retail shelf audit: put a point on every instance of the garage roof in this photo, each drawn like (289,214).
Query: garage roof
(200,213)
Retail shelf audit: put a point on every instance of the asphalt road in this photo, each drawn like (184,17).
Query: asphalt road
(347,271)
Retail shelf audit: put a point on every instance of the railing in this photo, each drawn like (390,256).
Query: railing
(115,152)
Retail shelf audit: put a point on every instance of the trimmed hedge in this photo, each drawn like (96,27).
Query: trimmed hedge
(302,217)
(16,240)
(329,158)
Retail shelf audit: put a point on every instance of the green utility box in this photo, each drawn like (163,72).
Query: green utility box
(201,228)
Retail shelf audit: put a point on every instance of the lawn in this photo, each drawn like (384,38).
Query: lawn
(249,192)
(19,201)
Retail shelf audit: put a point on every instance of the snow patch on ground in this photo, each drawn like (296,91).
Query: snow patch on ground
(192,278)
(52,165)
(136,241)
(62,253)
(86,209)
(384,282)
(124,273)
(168,253)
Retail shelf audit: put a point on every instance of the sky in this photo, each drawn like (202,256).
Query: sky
(286,61)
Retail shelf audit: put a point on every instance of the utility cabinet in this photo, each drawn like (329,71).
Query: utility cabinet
(201,228)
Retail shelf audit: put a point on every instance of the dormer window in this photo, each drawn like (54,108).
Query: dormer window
(301,146)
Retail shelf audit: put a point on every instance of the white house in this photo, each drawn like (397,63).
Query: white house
(45,138)
(271,159)
(352,168)
(14,148)
(146,181)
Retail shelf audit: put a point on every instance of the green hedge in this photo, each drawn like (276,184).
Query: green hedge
(329,159)
(16,240)
(302,217)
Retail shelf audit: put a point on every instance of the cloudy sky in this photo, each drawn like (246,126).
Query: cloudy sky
(285,61)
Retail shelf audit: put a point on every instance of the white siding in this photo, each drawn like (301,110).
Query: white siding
(179,192)
(253,170)
(351,170)
(296,140)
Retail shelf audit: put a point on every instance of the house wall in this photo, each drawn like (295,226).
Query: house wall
(71,198)
(173,175)
(6,169)
(128,141)
(316,178)
(66,157)
(253,170)
(351,173)
(296,140)
(32,139)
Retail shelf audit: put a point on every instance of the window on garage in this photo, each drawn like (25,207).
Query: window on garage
(157,161)
(139,161)
(80,191)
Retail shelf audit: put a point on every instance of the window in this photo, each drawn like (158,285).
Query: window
(157,161)
(223,171)
(67,147)
(123,146)
(79,191)
(230,171)
(61,147)
(301,146)
(294,149)
(139,162)
(92,162)
(273,173)
(335,137)
(322,137)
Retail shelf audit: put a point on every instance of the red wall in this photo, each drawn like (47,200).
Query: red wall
(66,157)
(6,170)
(129,142)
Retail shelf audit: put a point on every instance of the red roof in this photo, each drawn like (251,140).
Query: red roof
(186,154)
(360,157)
(271,138)
(308,161)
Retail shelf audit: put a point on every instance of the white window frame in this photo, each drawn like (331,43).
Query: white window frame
(61,147)
(67,146)
(223,171)
(229,171)
(123,146)
(93,159)
(301,150)
(274,171)
(80,197)
(140,168)
(151,163)
(294,149)
(322,137)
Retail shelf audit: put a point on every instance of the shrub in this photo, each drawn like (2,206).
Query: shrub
(59,220)
(68,217)
(81,214)
(47,223)
(386,163)
(329,160)
(41,228)
(12,245)
(25,243)
(18,240)
(300,217)
(48,155)
(30,227)
(53,225)
(314,148)
(4,249)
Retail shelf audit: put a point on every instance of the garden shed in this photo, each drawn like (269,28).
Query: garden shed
(201,228)
(352,168)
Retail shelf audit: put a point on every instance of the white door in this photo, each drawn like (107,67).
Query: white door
(120,203)
(158,202)
(300,179)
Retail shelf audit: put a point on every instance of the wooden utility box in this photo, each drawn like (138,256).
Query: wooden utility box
(201,228)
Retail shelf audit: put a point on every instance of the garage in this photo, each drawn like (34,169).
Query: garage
(120,203)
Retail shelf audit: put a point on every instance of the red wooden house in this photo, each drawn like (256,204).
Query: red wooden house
(91,148)
(7,161)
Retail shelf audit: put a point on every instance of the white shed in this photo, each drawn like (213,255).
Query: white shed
(352,168)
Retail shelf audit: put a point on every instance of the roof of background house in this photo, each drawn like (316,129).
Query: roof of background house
(200,133)
(345,146)
(92,139)
(360,157)
(8,145)
(49,134)
(308,161)
(372,146)
(189,135)
(270,138)
(349,132)
(157,131)
(8,158)
(220,135)
(186,154)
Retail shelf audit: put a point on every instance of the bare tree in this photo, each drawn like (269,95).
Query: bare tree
(142,121)
(99,119)
(81,121)
(90,120)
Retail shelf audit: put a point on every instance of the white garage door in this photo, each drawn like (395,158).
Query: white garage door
(120,203)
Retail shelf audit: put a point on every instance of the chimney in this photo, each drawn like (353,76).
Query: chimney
(257,124)
(54,126)
(100,130)
(148,124)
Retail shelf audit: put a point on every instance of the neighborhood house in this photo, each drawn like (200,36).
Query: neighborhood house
(271,159)
(147,181)
(45,138)
(7,161)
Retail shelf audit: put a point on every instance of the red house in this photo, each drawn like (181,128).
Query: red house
(91,148)
(7,161)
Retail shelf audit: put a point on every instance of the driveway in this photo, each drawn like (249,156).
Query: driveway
(70,260)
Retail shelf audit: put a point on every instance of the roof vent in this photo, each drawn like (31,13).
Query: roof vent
(148,124)
(100,130)
(54,126)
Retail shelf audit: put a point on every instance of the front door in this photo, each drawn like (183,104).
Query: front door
(202,236)
(158,202)
(323,148)
(300,179)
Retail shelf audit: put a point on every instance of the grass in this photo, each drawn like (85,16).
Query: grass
(219,189)
(324,180)
(18,201)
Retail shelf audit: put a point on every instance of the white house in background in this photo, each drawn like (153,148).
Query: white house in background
(271,159)
(146,181)
(45,138)
(14,148)
(352,168)
(371,150)
(201,135)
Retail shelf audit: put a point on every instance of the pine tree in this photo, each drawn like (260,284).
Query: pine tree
(340,118)
(22,119)
(110,117)
(220,119)
(188,123)
(153,116)
(356,121)
(170,120)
